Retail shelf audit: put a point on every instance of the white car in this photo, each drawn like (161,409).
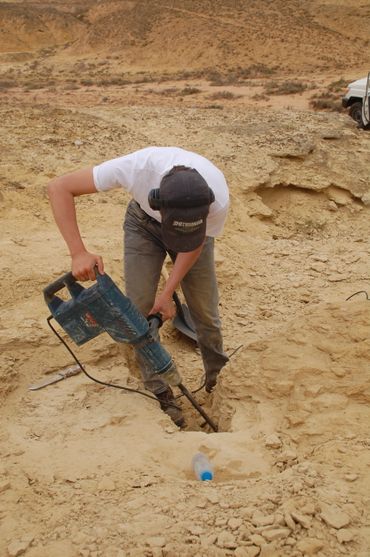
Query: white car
(353,100)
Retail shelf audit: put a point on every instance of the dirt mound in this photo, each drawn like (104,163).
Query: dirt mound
(312,384)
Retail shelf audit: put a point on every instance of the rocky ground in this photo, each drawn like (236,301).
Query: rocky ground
(92,471)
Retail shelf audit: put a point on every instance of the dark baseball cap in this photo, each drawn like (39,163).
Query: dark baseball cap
(185,200)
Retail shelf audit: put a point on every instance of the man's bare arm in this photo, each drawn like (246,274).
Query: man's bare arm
(62,191)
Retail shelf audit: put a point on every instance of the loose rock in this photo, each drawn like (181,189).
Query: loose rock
(226,540)
(335,518)
(19,547)
(273,442)
(276,534)
(235,523)
(344,535)
(251,551)
(310,546)
(301,519)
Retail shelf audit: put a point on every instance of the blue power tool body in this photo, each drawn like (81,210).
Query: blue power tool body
(104,308)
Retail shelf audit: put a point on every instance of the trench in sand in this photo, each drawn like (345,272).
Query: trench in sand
(289,220)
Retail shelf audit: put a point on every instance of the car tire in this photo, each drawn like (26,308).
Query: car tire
(355,111)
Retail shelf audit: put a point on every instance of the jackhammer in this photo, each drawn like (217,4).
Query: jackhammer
(104,308)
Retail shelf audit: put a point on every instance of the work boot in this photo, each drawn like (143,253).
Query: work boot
(169,406)
(211,380)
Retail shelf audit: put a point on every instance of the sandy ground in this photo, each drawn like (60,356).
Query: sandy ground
(93,471)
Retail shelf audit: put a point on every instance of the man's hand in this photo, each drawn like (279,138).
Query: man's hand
(164,305)
(83,265)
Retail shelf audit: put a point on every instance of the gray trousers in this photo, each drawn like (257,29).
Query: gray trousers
(144,255)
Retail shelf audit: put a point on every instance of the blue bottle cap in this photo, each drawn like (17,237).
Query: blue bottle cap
(206,475)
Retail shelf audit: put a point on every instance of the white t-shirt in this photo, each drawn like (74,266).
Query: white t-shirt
(143,170)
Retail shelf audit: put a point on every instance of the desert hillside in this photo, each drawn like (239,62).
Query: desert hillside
(276,36)
(94,471)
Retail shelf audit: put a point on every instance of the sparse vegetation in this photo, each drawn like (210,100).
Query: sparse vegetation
(175,91)
(6,84)
(87,82)
(237,76)
(214,106)
(190,90)
(326,101)
(331,98)
(168,91)
(260,97)
(114,80)
(225,95)
(32,85)
(338,86)
(285,87)
(71,87)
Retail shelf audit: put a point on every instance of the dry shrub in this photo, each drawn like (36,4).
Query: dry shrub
(331,99)
(260,97)
(87,82)
(6,84)
(175,91)
(214,106)
(71,87)
(326,101)
(226,95)
(285,87)
(32,85)
(117,80)
(238,75)
(190,90)
(170,91)
(338,86)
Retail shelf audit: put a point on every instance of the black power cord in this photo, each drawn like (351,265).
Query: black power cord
(106,384)
(359,292)
(94,378)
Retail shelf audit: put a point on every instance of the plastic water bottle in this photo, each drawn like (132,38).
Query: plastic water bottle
(202,467)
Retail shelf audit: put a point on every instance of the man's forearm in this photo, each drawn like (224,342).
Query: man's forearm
(64,211)
(183,263)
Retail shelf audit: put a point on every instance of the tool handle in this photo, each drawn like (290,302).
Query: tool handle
(70,371)
(66,280)
(197,406)
(69,281)
(155,321)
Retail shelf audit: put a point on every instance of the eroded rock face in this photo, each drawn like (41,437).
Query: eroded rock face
(309,377)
